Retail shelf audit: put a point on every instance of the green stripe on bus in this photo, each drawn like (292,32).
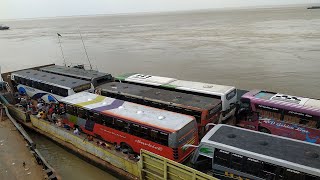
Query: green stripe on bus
(168,86)
(124,76)
(95,100)
(73,119)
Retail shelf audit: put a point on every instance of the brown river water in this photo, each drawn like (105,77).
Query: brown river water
(275,49)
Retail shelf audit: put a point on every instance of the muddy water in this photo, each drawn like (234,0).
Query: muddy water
(273,49)
(67,164)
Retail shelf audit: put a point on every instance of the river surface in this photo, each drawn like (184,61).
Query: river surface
(274,49)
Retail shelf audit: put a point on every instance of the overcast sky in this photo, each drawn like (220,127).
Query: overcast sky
(16,9)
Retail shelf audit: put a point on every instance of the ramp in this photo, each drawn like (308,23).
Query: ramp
(157,167)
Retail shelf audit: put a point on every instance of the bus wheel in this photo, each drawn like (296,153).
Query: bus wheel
(126,148)
(265,130)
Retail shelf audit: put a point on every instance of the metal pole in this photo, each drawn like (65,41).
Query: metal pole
(1,80)
(64,60)
(85,50)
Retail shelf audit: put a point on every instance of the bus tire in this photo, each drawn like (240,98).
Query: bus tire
(126,146)
(265,130)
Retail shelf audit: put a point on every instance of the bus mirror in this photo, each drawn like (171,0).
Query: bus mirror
(209,125)
(186,146)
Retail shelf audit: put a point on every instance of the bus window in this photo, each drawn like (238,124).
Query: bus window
(245,103)
(221,157)
(203,163)
(236,162)
(121,125)
(135,129)
(107,121)
(231,94)
(41,86)
(55,90)
(299,118)
(144,132)
(269,112)
(82,113)
(268,171)
(96,117)
(292,175)
(252,166)
(309,177)
(29,82)
(318,123)
(70,110)
(163,138)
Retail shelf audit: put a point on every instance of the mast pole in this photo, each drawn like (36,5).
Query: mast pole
(85,50)
(64,60)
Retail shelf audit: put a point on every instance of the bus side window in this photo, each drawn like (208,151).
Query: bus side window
(135,129)
(231,94)
(107,121)
(63,92)
(252,166)
(221,157)
(96,117)
(236,162)
(293,175)
(82,113)
(70,110)
(203,163)
(121,125)
(268,171)
(23,81)
(163,138)
(309,177)
(41,86)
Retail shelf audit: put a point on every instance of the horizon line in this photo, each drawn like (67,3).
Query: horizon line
(162,12)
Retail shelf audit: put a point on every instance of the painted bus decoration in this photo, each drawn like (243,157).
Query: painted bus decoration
(47,86)
(132,126)
(230,152)
(227,94)
(204,109)
(279,114)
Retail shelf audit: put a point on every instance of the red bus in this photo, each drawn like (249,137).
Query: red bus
(280,114)
(204,109)
(132,126)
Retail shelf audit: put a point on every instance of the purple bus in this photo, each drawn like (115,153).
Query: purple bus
(280,114)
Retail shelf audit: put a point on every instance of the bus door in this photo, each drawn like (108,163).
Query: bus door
(89,125)
(247,118)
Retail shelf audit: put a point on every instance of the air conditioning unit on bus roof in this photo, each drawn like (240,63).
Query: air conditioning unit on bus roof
(287,98)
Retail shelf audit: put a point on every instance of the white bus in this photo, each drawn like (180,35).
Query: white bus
(227,94)
(230,152)
(47,86)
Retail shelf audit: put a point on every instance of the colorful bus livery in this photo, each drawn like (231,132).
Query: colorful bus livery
(47,86)
(205,110)
(279,114)
(132,126)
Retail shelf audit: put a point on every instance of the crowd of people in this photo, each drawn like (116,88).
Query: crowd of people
(54,113)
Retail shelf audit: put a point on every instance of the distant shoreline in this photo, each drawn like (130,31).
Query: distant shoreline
(247,8)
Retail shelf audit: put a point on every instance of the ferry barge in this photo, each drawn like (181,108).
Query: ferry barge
(98,115)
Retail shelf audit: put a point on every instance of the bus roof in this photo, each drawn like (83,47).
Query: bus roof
(149,116)
(74,72)
(199,87)
(306,105)
(163,95)
(266,147)
(49,78)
